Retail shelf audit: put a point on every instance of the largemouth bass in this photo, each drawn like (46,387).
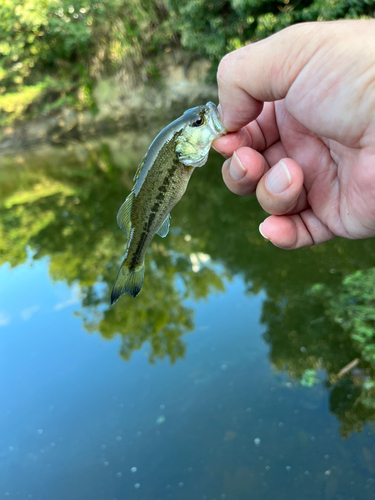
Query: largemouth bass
(159,183)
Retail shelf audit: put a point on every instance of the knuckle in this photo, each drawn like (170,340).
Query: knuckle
(224,68)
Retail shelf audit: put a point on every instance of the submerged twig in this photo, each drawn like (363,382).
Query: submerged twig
(348,367)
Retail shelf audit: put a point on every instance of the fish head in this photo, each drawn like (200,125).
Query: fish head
(200,126)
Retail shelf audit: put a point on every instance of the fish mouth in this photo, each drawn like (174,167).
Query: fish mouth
(216,125)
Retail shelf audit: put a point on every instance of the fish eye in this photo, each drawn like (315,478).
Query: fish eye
(198,122)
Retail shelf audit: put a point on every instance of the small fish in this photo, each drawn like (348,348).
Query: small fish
(160,182)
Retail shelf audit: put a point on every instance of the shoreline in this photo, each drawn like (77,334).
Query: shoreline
(120,108)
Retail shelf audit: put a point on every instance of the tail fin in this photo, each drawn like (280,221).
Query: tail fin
(128,281)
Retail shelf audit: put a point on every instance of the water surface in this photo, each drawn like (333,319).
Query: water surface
(219,381)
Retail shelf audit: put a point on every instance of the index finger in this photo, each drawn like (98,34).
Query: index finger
(237,107)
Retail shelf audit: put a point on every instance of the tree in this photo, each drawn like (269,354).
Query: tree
(53,51)
(212,28)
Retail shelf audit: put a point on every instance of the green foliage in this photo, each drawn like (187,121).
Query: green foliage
(326,327)
(309,378)
(52,51)
(16,103)
(352,307)
(41,47)
(213,28)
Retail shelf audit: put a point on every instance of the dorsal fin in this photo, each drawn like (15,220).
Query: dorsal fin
(136,175)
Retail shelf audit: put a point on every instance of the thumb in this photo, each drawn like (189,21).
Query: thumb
(265,71)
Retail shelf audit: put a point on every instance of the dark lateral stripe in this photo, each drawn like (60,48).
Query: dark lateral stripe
(163,188)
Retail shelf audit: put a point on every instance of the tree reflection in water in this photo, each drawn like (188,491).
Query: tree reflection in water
(318,311)
(69,215)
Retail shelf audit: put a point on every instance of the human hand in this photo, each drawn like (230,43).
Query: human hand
(301,106)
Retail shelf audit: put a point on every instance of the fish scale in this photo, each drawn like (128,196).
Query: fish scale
(162,189)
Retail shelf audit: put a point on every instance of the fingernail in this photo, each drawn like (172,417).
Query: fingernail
(260,230)
(236,170)
(278,178)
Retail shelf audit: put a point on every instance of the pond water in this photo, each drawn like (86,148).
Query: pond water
(221,380)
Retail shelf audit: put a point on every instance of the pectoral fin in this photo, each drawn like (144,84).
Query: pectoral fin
(164,228)
(123,216)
